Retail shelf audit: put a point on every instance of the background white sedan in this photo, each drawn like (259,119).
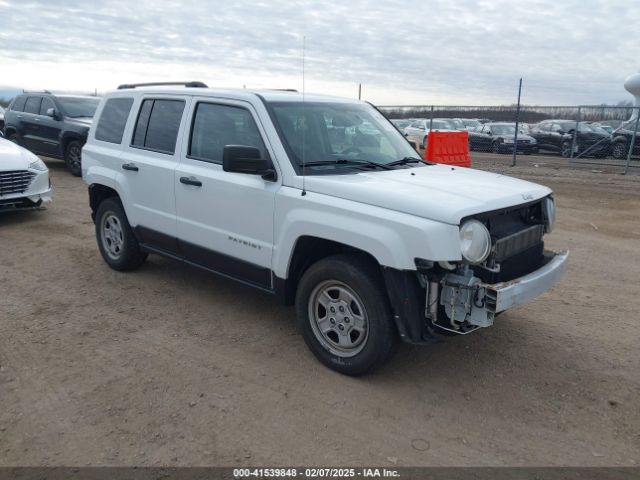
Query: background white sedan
(24,178)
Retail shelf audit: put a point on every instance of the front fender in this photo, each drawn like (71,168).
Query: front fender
(394,239)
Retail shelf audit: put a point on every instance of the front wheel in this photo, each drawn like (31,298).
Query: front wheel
(116,241)
(565,150)
(344,314)
(495,147)
(73,158)
(619,150)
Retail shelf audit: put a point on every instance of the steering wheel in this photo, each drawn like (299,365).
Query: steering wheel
(351,150)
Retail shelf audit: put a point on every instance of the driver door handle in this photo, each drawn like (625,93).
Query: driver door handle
(191,181)
(130,166)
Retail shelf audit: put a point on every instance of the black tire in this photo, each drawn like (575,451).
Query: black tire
(619,150)
(424,143)
(363,280)
(565,149)
(495,147)
(73,157)
(123,253)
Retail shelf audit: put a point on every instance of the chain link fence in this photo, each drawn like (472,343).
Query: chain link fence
(592,135)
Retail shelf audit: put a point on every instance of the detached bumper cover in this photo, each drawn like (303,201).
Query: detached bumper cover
(504,295)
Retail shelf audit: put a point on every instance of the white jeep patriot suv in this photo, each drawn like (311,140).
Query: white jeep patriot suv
(322,202)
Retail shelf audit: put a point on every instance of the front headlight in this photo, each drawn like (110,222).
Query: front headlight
(549,207)
(38,165)
(475,241)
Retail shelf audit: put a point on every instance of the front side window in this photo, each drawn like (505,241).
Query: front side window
(46,105)
(113,120)
(158,125)
(215,126)
(337,132)
(33,105)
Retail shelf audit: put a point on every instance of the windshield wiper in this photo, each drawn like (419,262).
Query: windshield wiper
(347,161)
(405,160)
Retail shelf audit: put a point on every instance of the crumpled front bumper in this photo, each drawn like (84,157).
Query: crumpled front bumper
(502,296)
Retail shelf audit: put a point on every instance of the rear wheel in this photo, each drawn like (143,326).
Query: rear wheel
(116,241)
(72,158)
(344,314)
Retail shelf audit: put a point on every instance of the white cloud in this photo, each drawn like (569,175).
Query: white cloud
(426,52)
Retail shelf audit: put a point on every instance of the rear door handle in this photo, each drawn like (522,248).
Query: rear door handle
(130,166)
(191,181)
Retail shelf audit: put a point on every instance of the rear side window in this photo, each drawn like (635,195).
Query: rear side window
(158,124)
(18,104)
(215,126)
(113,120)
(33,105)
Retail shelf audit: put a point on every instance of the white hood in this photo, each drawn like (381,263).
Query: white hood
(14,157)
(437,192)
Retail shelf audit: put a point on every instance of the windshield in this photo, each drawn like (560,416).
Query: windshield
(440,125)
(456,123)
(401,123)
(503,129)
(318,131)
(471,123)
(77,107)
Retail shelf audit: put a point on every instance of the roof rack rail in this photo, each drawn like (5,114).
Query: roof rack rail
(157,84)
(284,90)
(36,91)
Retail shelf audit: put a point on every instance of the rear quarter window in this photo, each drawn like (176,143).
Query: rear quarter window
(113,120)
(18,104)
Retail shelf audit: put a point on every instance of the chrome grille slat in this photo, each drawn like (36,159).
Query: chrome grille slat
(15,181)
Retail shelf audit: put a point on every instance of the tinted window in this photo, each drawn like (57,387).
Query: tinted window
(18,104)
(77,107)
(46,104)
(158,124)
(33,105)
(215,126)
(113,119)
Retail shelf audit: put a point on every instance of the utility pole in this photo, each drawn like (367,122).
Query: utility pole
(515,137)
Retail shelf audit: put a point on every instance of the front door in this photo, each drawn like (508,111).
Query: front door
(50,129)
(225,220)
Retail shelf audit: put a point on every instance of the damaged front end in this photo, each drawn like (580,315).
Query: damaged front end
(460,297)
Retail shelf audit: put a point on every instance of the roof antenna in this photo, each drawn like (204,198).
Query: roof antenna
(304,190)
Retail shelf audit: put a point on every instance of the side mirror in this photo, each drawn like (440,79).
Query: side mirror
(488,132)
(51,112)
(244,159)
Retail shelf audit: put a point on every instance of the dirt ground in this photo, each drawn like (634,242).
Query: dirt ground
(172,366)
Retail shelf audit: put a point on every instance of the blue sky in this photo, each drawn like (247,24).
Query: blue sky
(430,51)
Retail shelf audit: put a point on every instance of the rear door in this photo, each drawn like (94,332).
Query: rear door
(147,168)
(225,220)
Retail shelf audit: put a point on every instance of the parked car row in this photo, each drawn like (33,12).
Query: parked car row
(592,139)
(51,125)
